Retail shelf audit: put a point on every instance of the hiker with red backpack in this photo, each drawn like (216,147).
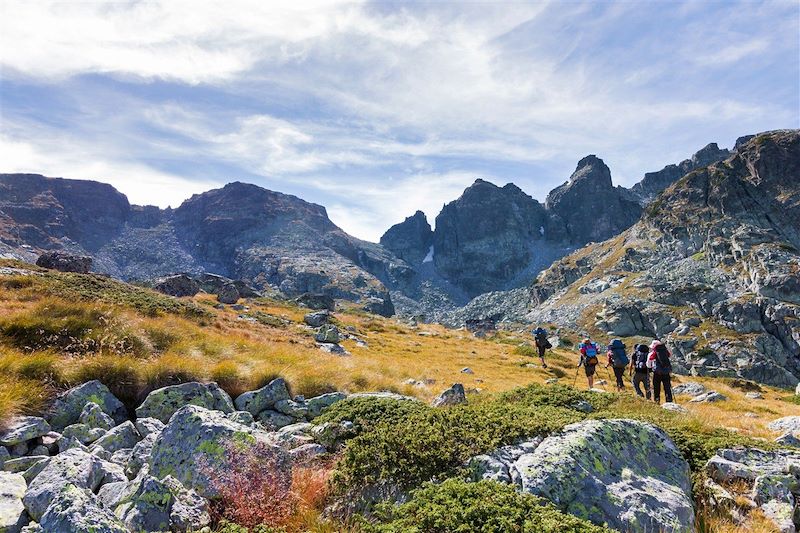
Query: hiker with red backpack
(589,359)
(618,360)
(641,373)
(659,362)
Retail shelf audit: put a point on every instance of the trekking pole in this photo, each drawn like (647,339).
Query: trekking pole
(608,374)
(577,371)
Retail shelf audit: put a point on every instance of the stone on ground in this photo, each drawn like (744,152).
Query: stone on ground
(67,408)
(787,423)
(22,429)
(162,403)
(121,437)
(452,396)
(12,512)
(76,510)
(319,403)
(690,388)
(264,398)
(94,417)
(710,396)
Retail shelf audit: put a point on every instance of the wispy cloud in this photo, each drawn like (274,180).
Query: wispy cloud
(378,109)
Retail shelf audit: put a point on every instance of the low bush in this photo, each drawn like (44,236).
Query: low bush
(366,413)
(481,507)
(555,396)
(428,444)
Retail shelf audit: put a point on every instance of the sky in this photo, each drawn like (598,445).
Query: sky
(376,110)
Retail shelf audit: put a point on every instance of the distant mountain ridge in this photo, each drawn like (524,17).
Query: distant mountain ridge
(488,239)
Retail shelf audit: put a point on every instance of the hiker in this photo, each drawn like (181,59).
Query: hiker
(618,360)
(542,344)
(589,359)
(662,367)
(641,374)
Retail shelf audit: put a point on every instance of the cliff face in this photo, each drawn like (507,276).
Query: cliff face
(410,240)
(588,205)
(485,237)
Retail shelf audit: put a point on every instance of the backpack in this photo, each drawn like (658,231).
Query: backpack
(541,339)
(618,356)
(662,364)
(591,354)
(640,358)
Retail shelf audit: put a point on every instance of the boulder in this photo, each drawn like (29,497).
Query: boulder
(12,512)
(94,417)
(77,510)
(316,301)
(674,407)
(789,439)
(624,473)
(499,464)
(4,456)
(318,404)
(162,505)
(327,333)
(787,423)
(147,425)
(65,262)
(82,433)
(242,417)
(452,396)
(23,429)
(273,420)
(264,398)
(228,294)
(297,410)
(710,396)
(178,285)
(334,349)
(382,306)
(162,403)
(467,370)
(121,437)
(333,435)
(317,318)
(68,407)
(754,396)
(306,452)
(191,447)
(690,388)
(21,464)
(72,467)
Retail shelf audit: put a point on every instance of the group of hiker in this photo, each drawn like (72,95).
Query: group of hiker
(643,361)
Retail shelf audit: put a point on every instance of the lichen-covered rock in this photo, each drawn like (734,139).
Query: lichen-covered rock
(297,410)
(746,464)
(82,433)
(789,439)
(787,423)
(710,396)
(140,454)
(624,473)
(273,420)
(242,417)
(76,510)
(147,425)
(162,505)
(65,262)
(333,435)
(67,408)
(22,429)
(318,404)
(74,467)
(228,294)
(21,464)
(178,285)
(690,388)
(452,396)
(264,398)
(120,437)
(12,512)
(499,464)
(94,417)
(191,447)
(4,456)
(317,318)
(327,333)
(162,403)
(307,452)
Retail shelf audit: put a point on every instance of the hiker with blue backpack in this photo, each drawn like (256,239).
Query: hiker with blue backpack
(641,372)
(618,360)
(589,359)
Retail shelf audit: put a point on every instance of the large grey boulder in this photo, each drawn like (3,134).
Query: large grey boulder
(65,262)
(317,318)
(177,285)
(708,397)
(4,456)
(94,417)
(152,504)
(82,433)
(140,454)
(68,407)
(76,510)
(228,294)
(162,403)
(22,429)
(452,396)
(264,398)
(624,473)
(787,423)
(122,437)
(327,333)
(147,425)
(690,388)
(191,447)
(12,512)
(73,467)
(319,403)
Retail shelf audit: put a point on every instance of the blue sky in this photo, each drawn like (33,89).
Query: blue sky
(376,110)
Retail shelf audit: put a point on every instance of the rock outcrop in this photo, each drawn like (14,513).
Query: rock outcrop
(65,262)
(410,240)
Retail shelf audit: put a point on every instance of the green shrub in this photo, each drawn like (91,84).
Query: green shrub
(429,443)
(482,507)
(555,396)
(794,398)
(367,413)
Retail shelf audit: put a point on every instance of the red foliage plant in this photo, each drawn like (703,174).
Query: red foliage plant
(254,486)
